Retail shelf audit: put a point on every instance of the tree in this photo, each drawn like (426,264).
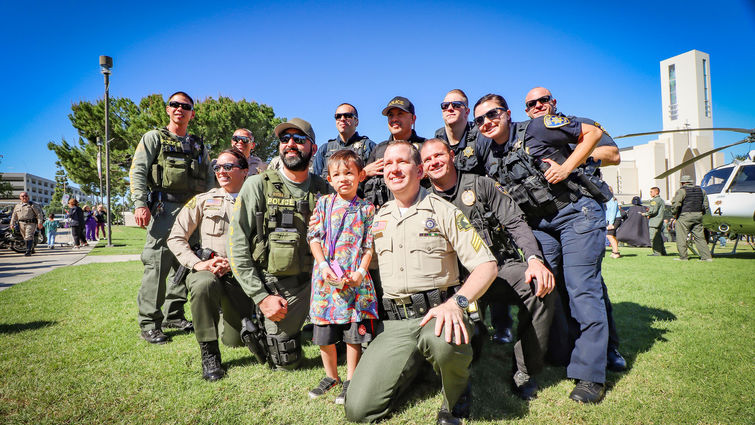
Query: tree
(6,190)
(215,121)
(61,184)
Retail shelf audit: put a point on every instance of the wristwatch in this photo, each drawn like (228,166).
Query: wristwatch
(461,301)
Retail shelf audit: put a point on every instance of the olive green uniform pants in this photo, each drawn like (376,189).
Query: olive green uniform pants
(159,265)
(296,290)
(210,294)
(691,222)
(656,240)
(392,361)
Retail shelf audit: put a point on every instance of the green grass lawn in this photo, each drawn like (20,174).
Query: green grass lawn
(70,352)
(126,240)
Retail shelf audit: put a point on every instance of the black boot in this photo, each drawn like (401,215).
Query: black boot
(463,406)
(212,369)
(29,245)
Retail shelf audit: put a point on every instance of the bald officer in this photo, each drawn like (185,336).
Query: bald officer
(210,287)
(27,213)
(418,239)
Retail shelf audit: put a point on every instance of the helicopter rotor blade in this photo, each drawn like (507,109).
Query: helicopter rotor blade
(684,130)
(701,156)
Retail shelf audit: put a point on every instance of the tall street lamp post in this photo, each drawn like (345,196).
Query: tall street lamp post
(106,62)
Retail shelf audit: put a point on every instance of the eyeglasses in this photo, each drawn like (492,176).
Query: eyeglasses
(184,106)
(542,100)
(455,104)
(491,115)
(347,115)
(227,167)
(299,139)
(242,139)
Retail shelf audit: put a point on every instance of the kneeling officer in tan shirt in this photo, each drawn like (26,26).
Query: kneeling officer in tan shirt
(210,286)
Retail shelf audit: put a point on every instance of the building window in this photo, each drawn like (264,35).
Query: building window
(673,107)
(705,88)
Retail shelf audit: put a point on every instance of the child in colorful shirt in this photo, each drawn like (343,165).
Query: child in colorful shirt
(343,304)
(51,229)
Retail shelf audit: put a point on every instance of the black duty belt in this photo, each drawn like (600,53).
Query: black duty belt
(286,286)
(178,198)
(417,304)
(28,221)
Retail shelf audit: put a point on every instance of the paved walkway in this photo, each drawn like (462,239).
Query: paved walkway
(16,268)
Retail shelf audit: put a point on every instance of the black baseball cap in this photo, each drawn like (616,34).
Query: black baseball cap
(399,102)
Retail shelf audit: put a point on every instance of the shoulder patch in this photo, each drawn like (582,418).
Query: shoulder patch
(192,202)
(597,124)
(652,202)
(500,188)
(462,223)
(555,121)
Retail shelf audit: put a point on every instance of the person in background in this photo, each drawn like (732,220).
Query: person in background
(90,223)
(76,217)
(101,216)
(613,220)
(51,229)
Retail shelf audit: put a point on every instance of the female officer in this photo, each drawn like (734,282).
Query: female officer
(570,228)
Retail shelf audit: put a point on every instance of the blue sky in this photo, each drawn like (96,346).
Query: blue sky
(600,59)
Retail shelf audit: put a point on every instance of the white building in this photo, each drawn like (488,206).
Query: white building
(40,189)
(686,97)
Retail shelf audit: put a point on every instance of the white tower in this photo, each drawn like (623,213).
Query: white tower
(686,99)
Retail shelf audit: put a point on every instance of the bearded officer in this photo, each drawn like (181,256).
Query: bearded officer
(418,237)
(688,206)
(26,213)
(497,218)
(210,285)
(267,246)
(169,167)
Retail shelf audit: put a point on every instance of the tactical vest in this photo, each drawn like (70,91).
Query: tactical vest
(280,246)
(693,199)
(334,145)
(483,220)
(523,180)
(177,171)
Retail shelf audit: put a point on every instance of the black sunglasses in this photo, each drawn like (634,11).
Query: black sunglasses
(242,139)
(299,139)
(531,103)
(346,115)
(184,106)
(456,104)
(492,114)
(227,166)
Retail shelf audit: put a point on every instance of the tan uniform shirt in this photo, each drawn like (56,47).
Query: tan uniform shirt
(418,251)
(26,211)
(211,213)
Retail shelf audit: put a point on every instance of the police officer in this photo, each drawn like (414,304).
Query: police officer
(418,237)
(496,217)
(401,119)
(26,213)
(243,140)
(568,224)
(210,285)
(688,206)
(347,120)
(655,214)
(169,167)
(462,136)
(538,103)
(268,248)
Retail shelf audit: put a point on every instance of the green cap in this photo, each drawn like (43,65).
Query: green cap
(298,124)
(686,179)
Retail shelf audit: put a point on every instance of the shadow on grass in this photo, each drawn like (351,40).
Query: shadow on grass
(635,327)
(13,328)
(105,246)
